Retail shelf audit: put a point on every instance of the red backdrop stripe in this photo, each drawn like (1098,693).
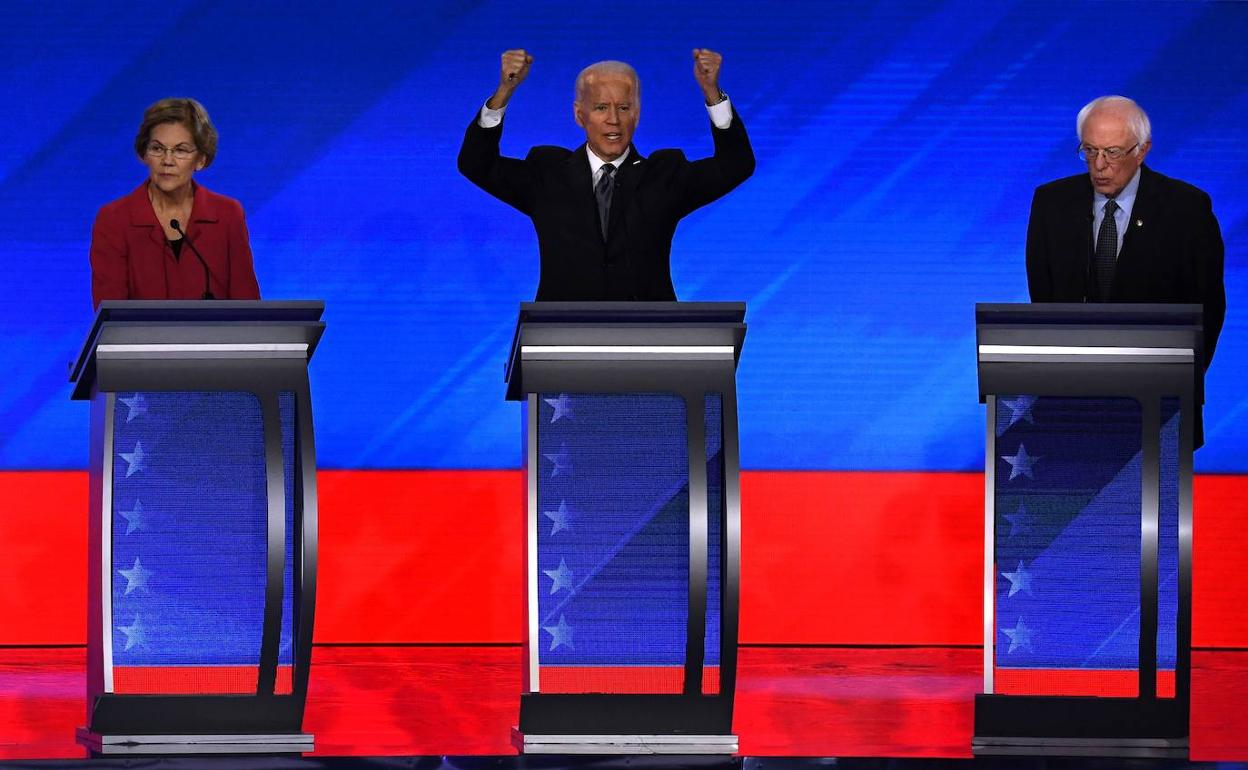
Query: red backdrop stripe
(436,556)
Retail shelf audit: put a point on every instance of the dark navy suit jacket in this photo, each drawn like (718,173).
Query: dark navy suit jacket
(1171,252)
(552,186)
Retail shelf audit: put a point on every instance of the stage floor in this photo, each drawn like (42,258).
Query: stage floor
(438,701)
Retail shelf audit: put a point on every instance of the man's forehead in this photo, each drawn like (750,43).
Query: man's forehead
(600,87)
(1106,121)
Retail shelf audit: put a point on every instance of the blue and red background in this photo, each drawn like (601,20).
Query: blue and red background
(897,143)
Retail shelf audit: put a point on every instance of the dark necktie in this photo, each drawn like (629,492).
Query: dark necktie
(1106,252)
(603,191)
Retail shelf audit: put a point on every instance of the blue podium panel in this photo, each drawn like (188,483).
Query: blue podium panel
(612,542)
(189,543)
(1068,496)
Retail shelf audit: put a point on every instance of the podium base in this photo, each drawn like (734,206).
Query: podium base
(623,744)
(1080,726)
(114,745)
(1079,747)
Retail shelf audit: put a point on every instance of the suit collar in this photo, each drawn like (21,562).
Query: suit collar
(596,163)
(578,162)
(634,158)
(1144,214)
(204,210)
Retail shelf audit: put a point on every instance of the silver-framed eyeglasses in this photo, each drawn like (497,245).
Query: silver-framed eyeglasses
(1088,153)
(180,152)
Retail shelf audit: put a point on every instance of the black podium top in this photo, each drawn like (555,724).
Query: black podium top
(197,321)
(1088,313)
(1087,348)
(632,312)
(623,323)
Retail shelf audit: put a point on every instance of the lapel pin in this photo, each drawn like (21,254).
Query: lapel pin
(1139,223)
(636,162)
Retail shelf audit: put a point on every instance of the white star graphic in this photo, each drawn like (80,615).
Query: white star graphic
(560,518)
(137,405)
(560,634)
(134,518)
(136,576)
(1020,579)
(1021,464)
(1020,636)
(1020,409)
(561,405)
(135,459)
(560,577)
(1018,520)
(136,633)
(562,461)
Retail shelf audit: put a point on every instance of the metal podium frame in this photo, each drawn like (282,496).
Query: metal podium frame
(685,348)
(1145,352)
(261,347)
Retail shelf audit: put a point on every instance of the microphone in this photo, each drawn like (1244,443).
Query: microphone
(177,228)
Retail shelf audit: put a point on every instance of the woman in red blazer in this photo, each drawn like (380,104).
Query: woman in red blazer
(137,250)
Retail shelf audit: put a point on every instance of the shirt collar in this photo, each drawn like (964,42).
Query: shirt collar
(596,163)
(1124,199)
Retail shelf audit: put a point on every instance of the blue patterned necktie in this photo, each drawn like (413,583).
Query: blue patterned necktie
(1106,252)
(603,191)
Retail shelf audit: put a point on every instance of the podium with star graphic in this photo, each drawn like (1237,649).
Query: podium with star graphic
(633,513)
(1088,518)
(202,560)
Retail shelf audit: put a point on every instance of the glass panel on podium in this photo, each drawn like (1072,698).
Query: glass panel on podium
(613,542)
(189,542)
(1068,496)
(1068,487)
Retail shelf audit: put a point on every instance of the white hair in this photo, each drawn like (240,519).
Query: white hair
(1137,119)
(608,67)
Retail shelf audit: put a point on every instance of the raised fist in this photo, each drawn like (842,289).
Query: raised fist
(515,69)
(706,71)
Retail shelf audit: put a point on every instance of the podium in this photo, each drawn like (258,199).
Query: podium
(1087,522)
(633,525)
(203,526)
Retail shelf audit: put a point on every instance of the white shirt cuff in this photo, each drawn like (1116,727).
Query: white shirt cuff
(490,118)
(721,114)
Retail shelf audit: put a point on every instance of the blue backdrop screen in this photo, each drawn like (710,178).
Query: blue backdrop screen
(898,145)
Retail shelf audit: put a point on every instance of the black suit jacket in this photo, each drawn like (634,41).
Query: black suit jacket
(1172,250)
(552,185)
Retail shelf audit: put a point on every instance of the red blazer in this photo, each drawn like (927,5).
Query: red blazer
(130,258)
